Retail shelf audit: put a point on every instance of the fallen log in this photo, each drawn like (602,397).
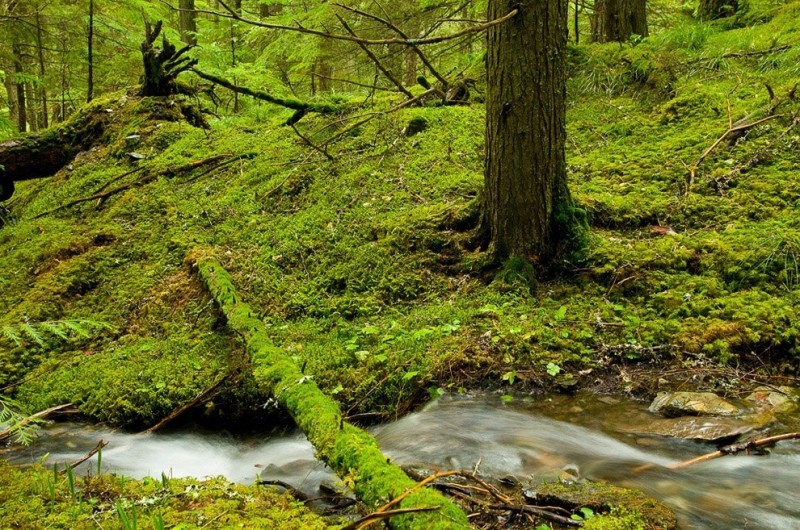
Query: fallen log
(6,433)
(348,450)
(44,154)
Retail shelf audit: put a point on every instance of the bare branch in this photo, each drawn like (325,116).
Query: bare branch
(232,14)
(375,60)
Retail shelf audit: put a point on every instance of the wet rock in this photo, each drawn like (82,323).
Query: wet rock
(709,429)
(781,401)
(674,404)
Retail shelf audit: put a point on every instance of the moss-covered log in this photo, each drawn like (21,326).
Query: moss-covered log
(350,451)
(42,155)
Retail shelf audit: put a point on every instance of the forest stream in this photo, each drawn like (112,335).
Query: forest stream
(533,440)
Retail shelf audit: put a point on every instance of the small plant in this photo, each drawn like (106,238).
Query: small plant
(70,480)
(128,521)
(584,514)
(553,369)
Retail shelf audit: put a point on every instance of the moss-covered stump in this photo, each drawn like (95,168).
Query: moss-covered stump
(351,452)
(36,498)
(611,507)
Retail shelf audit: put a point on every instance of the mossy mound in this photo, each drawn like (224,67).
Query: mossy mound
(38,498)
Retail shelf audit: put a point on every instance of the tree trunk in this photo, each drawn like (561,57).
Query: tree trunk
(43,154)
(22,113)
(714,9)
(618,20)
(526,193)
(188,22)
(42,81)
(90,54)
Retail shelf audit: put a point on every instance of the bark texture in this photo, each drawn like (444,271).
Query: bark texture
(714,9)
(42,155)
(188,22)
(618,20)
(525,169)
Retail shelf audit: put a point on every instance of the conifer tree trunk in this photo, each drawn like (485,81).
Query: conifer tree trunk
(22,113)
(188,22)
(90,54)
(525,167)
(617,20)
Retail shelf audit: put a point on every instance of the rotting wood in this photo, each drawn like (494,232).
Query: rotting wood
(351,452)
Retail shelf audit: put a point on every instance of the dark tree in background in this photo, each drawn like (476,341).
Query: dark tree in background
(617,20)
(188,22)
(714,9)
(526,202)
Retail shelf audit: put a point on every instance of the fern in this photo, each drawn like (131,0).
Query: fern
(18,427)
(39,332)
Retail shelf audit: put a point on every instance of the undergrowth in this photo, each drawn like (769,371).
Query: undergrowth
(362,268)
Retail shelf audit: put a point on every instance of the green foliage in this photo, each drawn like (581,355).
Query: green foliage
(15,425)
(38,498)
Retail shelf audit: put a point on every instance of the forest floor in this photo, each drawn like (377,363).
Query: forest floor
(363,267)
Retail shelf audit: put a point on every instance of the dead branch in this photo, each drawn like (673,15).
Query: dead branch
(169,172)
(41,415)
(736,448)
(375,60)
(534,510)
(311,144)
(203,395)
(731,130)
(397,107)
(411,490)
(380,516)
(302,108)
(232,14)
(402,35)
(87,456)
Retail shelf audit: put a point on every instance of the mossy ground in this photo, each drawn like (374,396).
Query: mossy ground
(38,498)
(362,267)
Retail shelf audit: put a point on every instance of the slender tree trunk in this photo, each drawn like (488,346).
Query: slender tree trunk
(90,54)
(22,114)
(576,26)
(42,81)
(11,93)
(32,111)
(714,9)
(526,193)
(188,22)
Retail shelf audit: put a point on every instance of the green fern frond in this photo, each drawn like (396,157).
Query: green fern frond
(39,332)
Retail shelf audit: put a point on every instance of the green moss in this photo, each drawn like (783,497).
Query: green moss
(35,499)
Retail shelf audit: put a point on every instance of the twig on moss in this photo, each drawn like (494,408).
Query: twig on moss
(380,516)
(169,172)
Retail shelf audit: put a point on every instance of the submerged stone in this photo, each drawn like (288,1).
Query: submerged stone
(781,401)
(674,404)
(709,429)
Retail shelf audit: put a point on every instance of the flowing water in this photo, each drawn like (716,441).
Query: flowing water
(530,439)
